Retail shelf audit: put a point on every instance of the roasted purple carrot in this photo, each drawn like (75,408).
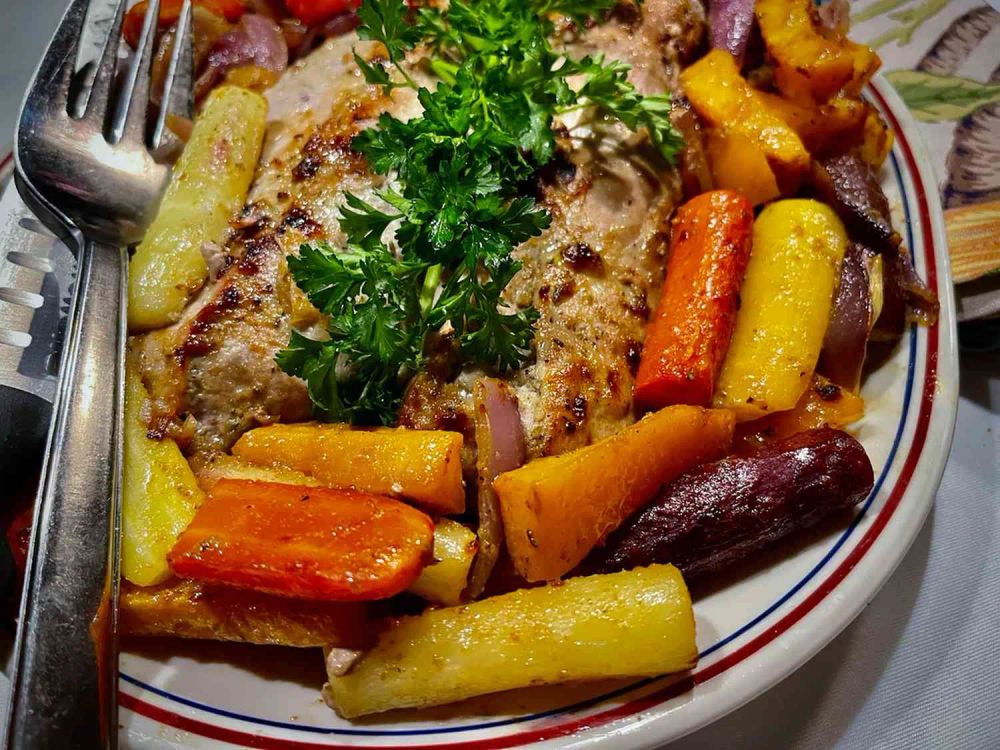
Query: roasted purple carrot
(720,513)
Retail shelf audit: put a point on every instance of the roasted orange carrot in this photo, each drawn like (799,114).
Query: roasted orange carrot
(306,542)
(689,335)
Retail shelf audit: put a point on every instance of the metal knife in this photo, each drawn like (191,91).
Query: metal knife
(37,271)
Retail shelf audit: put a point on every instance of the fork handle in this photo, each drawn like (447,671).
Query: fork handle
(66,660)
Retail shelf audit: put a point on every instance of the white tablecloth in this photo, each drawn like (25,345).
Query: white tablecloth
(920,668)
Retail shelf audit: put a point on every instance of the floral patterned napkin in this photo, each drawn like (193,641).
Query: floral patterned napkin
(943,57)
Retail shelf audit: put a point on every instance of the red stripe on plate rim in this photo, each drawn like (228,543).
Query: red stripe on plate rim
(700,676)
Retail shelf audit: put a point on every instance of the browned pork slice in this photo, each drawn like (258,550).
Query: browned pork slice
(212,375)
(594,275)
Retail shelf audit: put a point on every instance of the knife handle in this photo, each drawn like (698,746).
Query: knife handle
(65,679)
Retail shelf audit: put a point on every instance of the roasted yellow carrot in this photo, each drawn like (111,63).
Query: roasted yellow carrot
(630,624)
(444,579)
(159,492)
(222,467)
(208,186)
(794,265)
(190,609)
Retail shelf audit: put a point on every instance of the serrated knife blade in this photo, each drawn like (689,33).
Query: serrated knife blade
(37,271)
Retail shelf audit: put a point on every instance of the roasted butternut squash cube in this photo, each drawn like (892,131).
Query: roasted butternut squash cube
(727,102)
(825,129)
(876,140)
(556,509)
(866,63)
(424,466)
(824,404)
(810,66)
(739,164)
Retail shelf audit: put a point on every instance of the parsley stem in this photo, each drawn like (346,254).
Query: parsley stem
(575,107)
(431,281)
(409,81)
(444,70)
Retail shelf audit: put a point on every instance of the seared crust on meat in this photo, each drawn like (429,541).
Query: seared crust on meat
(593,277)
(655,39)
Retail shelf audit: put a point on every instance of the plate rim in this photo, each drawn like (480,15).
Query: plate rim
(648,721)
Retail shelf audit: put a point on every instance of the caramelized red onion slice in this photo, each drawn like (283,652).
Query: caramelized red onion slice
(852,189)
(921,301)
(268,49)
(500,448)
(256,41)
(730,23)
(334,27)
(846,339)
(835,16)
(904,297)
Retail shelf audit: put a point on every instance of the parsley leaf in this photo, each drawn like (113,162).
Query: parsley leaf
(608,88)
(385,21)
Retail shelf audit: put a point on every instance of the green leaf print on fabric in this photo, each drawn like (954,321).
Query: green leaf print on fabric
(908,19)
(934,98)
(876,9)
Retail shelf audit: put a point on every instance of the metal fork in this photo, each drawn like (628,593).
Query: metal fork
(84,165)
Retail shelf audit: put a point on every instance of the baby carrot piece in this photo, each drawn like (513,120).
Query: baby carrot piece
(689,335)
(304,542)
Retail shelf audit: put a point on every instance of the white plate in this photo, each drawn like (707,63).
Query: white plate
(754,628)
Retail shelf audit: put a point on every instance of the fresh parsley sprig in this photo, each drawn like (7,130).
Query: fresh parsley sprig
(437,252)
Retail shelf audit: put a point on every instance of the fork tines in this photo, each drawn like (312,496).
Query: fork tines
(116,102)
